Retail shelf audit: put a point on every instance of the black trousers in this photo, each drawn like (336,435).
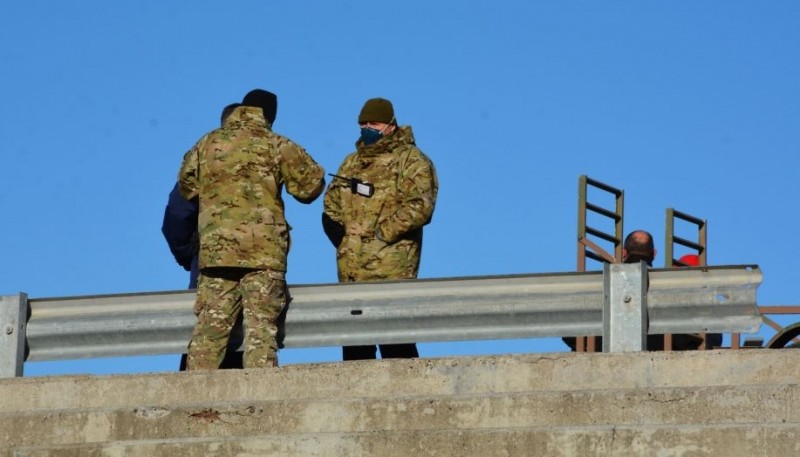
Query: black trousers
(388,351)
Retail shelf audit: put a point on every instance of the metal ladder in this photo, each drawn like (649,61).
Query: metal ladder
(698,247)
(590,238)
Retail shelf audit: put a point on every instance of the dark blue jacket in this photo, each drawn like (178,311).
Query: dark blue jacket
(180,231)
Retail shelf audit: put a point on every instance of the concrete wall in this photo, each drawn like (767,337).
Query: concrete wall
(668,404)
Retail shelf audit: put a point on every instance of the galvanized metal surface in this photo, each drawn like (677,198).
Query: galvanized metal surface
(446,310)
(704,299)
(13,317)
(625,307)
(473,308)
(110,325)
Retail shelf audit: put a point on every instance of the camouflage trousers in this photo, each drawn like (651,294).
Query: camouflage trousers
(261,295)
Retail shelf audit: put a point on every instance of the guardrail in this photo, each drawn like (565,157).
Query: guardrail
(609,303)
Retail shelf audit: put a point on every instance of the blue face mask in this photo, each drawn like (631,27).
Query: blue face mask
(370,136)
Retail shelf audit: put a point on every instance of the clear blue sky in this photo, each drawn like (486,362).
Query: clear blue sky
(689,105)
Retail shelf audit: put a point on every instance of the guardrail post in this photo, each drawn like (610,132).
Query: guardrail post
(624,307)
(13,317)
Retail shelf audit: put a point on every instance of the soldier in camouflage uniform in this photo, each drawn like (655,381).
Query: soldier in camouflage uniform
(375,208)
(179,226)
(237,173)
(180,231)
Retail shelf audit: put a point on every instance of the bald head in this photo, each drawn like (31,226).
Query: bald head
(639,246)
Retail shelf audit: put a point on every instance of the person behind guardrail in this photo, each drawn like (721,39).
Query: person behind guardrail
(713,340)
(689,260)
(375,208)
(637,247)
(179,228)
(237,174)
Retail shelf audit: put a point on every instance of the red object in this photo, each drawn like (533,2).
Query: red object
(690,260)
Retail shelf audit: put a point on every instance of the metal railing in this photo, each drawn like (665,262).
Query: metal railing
(785,336)
(700,246)
(717,299)
(592,237)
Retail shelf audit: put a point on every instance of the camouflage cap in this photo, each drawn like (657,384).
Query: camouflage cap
(266,100)
(377,110)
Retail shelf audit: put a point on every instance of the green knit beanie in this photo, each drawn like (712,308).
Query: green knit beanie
(377,110)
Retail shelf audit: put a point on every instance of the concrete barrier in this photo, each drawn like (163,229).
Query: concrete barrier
(679,403)
(749,440)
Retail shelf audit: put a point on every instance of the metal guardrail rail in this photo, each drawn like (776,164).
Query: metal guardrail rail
(717,299)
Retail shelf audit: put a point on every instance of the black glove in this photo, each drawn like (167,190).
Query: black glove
(333,229)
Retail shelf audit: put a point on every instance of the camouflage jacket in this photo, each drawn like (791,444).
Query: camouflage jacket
(382,234)
(237,172)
